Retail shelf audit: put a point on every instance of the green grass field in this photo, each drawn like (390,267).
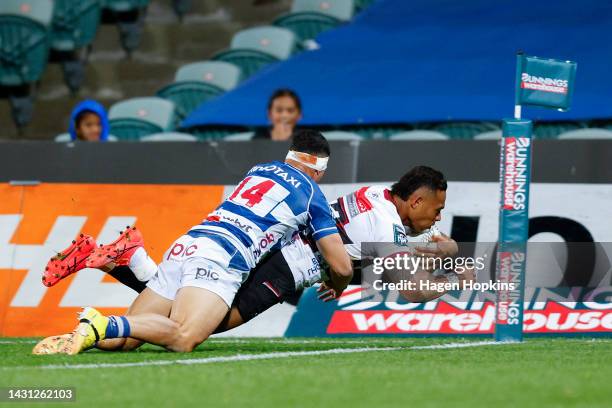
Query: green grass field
(394,372)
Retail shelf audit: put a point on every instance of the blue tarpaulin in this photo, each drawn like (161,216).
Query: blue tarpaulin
(433,60)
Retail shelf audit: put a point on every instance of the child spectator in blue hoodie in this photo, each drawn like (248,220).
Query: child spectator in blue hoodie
(89,122)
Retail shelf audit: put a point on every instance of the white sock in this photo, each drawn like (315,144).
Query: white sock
(142,265)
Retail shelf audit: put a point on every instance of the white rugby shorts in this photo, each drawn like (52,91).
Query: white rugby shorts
(203,260)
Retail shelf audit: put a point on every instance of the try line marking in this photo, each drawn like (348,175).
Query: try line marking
(250,357)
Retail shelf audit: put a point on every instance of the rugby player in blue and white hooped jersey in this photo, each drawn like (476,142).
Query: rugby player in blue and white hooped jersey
(274,201)
(195,284)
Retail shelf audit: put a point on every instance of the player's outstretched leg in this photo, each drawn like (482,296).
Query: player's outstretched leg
(119,251)
(195,314)
(126,251)
(146,302)
(93,328)
(69,261)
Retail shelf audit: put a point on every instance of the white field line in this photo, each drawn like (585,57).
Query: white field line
(461,345)
(220,359)
(222,340)
(250,357)
(280,340)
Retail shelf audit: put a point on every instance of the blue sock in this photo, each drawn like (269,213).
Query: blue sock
(118,326)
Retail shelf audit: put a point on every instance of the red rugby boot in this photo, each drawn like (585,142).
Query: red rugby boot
(118,252)
(69,261)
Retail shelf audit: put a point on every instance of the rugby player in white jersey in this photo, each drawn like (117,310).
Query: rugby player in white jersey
(194,287)
(405,212)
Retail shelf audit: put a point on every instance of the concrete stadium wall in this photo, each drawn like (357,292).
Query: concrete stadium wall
(567,161)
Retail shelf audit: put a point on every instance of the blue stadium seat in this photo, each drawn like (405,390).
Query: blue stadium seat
(138,117)
(309,18)
(254,48)
(199,82)
(24,40)
(75,23)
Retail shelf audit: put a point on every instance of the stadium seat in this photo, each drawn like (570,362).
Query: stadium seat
(24,40)
(62,138)
(419,135)
(138,117)
(464,130)
(257,47)
(75,23)
(169,137)
(589,133)
(491,135)
(340,135)
(74,26)
(199,82)
(221,74)
(238,137)
(309,18)
(129,16)
(550,130)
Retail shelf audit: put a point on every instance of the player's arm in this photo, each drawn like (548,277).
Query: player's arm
(442,246)
(447,245)
(328,240)
(341,268)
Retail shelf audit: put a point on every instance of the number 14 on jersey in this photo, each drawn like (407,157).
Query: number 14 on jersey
(258,194)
